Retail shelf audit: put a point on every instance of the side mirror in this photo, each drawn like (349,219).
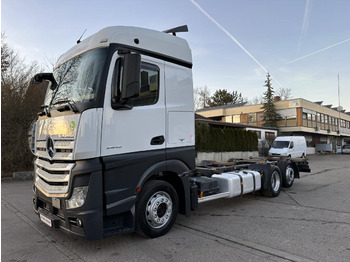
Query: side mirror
(131,76)
(38,78)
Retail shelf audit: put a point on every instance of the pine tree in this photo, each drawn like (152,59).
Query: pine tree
(270,115)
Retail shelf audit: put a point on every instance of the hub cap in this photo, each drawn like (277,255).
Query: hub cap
(275,181)
(158,210)
(289,174)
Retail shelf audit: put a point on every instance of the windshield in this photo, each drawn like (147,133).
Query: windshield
(78,78)
(280,144)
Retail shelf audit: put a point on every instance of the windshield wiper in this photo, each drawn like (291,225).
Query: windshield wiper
(70,105)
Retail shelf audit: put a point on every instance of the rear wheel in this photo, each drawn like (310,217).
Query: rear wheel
(274,183)
(156,209)
(287,172)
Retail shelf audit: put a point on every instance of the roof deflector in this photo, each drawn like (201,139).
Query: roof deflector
(178,29)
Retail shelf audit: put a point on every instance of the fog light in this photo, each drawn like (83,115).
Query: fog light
(79,222)
(78,197)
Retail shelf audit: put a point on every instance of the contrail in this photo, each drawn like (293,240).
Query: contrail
(232,37)
(321,50)
(305,23)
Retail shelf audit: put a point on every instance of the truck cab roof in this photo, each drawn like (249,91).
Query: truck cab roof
(135,38)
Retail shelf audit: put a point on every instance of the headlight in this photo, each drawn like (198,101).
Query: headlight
(78,197)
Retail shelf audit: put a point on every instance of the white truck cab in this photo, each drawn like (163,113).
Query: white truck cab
(119,111)
(288,146)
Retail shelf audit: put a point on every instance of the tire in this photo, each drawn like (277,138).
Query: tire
(156,209)
(274,183)
(287,173)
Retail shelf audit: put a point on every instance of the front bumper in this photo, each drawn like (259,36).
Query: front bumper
(85,221)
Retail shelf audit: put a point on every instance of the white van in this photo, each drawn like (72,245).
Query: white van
(289,146)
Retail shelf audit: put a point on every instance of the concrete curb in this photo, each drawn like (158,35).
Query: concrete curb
(22,176)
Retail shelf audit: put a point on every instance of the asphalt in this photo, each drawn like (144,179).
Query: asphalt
(308,222)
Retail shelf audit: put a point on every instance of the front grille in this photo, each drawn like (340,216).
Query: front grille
(63,147)
(53,178)
(52,175)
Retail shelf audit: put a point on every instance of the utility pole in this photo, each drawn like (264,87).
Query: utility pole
(339,109)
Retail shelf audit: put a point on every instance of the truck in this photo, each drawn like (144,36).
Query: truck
(114,144)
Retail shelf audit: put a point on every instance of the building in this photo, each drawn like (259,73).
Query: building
(319,124)
(263,133)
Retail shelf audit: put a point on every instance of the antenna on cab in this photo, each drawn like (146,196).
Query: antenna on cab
(81,37)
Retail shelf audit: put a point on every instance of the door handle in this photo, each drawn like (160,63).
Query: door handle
(158,140)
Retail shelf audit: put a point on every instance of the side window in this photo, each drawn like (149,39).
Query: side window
(149,84)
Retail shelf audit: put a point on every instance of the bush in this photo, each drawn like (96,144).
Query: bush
(20,102)
(213,139)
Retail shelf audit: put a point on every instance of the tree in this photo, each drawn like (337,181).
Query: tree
(222,97)
(270,115)
(19,106)
(256,100)
(201,97)
(284,93)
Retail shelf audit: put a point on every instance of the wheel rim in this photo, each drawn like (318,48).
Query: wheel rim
(289,174)
(158,210)
(275,181)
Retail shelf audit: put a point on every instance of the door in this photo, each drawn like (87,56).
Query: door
(141,128)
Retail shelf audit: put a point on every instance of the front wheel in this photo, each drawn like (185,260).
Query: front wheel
(156,209)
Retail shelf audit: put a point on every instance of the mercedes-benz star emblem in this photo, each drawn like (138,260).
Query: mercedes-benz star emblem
(50,149)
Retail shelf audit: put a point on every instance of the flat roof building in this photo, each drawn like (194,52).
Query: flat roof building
(318,123)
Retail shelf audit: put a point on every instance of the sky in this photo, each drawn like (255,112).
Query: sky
(303,44)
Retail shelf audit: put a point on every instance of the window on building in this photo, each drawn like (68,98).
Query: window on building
(228,119)
(292,117)
(236,119)
(251,117)
(342,123)
(322,118)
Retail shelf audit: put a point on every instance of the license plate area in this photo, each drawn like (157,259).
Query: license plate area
(46,220)
(49,219)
